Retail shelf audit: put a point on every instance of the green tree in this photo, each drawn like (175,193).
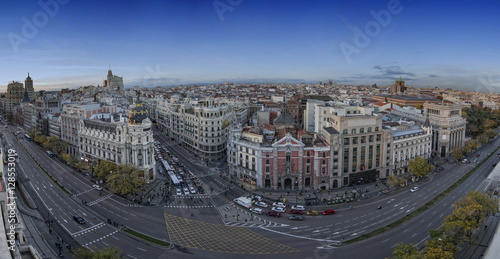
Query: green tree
(490,133)
(125,180)
(34,132)
(419,166)
(490,124)
(40,139)
(66,157)
(106,253)
(83,166)
(393,181)
(50,143)
(458,153)
(403,251)
(103,169)
(482,139)
(59,147)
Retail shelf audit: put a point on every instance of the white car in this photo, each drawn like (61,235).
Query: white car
(192,190)
(414,189)
(298,207)
(261,204)
(186,191)
(279,209)
(97,187)
(178,192)
(257,210)
(279,204)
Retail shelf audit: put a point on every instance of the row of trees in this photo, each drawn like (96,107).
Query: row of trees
(120,179)
(459,228)
(418,167)
(460,152)
(479,120)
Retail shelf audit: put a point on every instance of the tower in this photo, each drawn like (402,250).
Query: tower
(28,84)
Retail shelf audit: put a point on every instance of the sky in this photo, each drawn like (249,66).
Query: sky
(69,43)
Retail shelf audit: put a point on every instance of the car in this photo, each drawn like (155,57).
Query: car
(257,198)
(6,126)
(468,162)
(227,208)
(298,207)
(279,204)
(279,209)
(261,204)
(494,164)
(257,210)
(477,155)
(298,212)
(79,219)
(186,191)
(97,187)
(312,213)
(414,189)
(273,214)
(178,192)
(192,190)
(328,212)
(299,218)
(49,153)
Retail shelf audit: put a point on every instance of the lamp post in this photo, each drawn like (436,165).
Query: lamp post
(296,192)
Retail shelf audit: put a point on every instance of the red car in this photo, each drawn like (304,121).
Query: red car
(328,212)
(274,214)
(298,212)
(477,155)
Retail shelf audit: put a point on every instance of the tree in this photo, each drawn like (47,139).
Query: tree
(403,251)
(419,106)
(59,147)
(66,157)
(419,166)
(490,124)
(50,143)
(106,253)
(125,180)
(490,133)
(458,153)
(82,166)
(40,139)
(393,181)
(103,169)
(482,139)
(34,132)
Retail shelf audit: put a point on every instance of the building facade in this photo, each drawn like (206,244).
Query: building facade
(202,126)
(113,139)
(408,144)
(113,82)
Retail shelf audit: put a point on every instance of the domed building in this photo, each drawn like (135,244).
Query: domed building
(119,139)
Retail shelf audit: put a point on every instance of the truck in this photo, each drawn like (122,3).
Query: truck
(244,201)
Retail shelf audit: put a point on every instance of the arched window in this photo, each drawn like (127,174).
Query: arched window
(345,131)
(362,130)
(369,129)
(353,131)
(376,128)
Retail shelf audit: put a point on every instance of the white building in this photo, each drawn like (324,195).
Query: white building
(109,137)
(408,144)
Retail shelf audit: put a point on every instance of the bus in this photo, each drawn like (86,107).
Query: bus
(175,182)
(27,137)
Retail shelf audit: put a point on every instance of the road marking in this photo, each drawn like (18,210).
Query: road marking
(385,240)
(414,235)
(406,230)
(105,243)
(141,249)
(132,256)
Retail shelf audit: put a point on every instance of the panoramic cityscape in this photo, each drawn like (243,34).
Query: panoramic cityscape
(249,129)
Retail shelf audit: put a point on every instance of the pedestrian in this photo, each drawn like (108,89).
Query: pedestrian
(485,227)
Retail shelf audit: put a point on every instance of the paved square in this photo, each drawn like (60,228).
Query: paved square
(221,238)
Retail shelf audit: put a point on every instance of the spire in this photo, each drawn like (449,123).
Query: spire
(427,123)
(26,98)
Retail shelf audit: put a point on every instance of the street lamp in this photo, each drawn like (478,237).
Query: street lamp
(296,192)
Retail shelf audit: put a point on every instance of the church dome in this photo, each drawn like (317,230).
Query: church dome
(137,114)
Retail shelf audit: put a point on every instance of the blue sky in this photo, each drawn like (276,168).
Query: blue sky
(438,43)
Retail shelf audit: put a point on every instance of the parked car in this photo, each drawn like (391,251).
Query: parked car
(494,164)
(312,213)
(414,189)
(298,212)
(274,214)
(261,204)
(227,208)
(178,192)
(97,187)
(79,219)
(328,212)
(279,209)
(279,204)
(299,218)
(298,207)
(257,210)
(477,155)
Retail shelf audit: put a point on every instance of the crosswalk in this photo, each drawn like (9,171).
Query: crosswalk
(88,230)
(189,207)
(194,197)
(260,224)
(80,193)
(100,239)
(99,200)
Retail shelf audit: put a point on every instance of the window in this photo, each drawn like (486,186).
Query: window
(308,153)
(324,162)
(369,129)
(355,140)
(308,161)
(308,169)
(362,130)
(353,131)
(288,157)
(346,141)
(267,169)
(345,131)
(376,128)
(324,154)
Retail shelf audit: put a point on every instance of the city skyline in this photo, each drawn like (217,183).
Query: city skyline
(68,44)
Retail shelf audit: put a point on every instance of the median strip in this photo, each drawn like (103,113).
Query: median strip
(147,238)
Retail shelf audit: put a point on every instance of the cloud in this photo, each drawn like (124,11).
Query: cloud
(392,72)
